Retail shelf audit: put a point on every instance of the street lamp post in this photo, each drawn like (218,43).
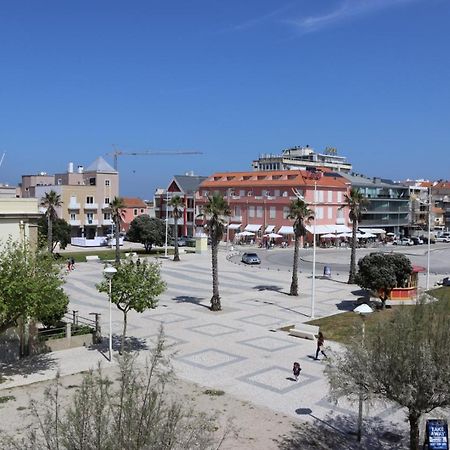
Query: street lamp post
(363,310)
(429,239)
(313,293)
(109,273)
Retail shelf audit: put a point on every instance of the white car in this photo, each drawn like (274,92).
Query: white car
(443,238)
(404,241)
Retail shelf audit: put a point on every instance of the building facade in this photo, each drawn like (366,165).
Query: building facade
(185,186)
(388,203)
(133,207)
(259,201)
(302,158)
(440,193)
(85,194)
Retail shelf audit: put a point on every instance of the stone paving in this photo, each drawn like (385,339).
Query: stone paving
(239,349)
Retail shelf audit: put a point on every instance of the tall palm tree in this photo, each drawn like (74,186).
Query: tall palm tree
(117,214)
(215,212)
(299,213)
(51,200)
(355,202)
(177,205)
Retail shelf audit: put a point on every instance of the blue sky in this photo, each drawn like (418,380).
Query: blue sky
(232,79)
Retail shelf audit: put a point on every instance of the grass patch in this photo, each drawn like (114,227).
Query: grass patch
(214,392)
(6,398)
(343,327)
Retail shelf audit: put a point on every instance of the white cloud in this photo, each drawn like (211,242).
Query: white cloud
(346,10)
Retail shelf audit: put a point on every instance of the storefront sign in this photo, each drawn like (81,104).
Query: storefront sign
(437,434)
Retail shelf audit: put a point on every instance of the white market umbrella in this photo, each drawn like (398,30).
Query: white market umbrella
(246,233)
(369,235)
(330,236)
(273,235)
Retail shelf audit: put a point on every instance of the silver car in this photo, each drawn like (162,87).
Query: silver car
(250,258)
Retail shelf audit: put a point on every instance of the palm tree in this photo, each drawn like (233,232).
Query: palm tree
(215,212)
(177,210)
(51,201)
(300,213)
(355,202)
(117,213)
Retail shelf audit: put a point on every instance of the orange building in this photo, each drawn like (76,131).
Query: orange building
(259,201)
(133,207)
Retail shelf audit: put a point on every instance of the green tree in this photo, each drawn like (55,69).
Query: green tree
(117,214)
(177,205)
(51,200)
(299,213)
(356,203)
(134,287)
(148,231)
(214,212)
(404,360)
(381,272)
(61,231)
(30,286)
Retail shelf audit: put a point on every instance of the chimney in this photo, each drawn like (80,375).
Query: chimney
(70,167)
(80,169)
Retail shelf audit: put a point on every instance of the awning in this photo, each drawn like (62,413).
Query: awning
(234,226)
(269,229)
(286,230)
(372,230)
(252,227)
(328,229)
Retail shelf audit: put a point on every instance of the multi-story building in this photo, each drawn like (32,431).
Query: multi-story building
(85,194)
(18,220)
(440,193)
(185,186)
(259,201)
(301,158)
(133,207)
(419,198)
(388,203)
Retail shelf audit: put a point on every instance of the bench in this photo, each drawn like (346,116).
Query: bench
(92,258)
(305,331)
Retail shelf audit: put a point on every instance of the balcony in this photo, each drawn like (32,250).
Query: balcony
(340,221)
(235,218)
(73,205)
(93,222)
(106,206)
(107,222)
(91,206)
(74,223)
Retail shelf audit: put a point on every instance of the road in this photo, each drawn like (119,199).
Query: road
(339,259)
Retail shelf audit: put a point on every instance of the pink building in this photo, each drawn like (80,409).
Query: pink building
(133,207)
(260,201)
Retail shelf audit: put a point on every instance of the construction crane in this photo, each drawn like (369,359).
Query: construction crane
(116,153)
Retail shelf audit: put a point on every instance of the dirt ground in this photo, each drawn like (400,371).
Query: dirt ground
(253,427)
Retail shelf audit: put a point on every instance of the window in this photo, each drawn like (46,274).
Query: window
(285,212)
(285,194)
(89,217)
(318,198)
(92,181)
(242,192)
(251,211)
(135,212)
(339,197)
(142,211)
(107,183)
(319,213)
(272,212)
(107,216)
(107,202)
(330,212)
(237,210)
(330,196)
(73,216)
(340,214)
(276,193)
(89,200)
(59,180)
(259,211)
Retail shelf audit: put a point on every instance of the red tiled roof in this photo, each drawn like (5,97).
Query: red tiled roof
(133,202)
(442,185)
(271,178)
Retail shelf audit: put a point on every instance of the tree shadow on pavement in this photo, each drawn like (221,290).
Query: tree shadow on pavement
(346,305)
(192,300)
(28,365)
(338,432)
(132,344)
(267,287)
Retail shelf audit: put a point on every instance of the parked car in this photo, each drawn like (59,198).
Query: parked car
(403,241)
(417,240)
(250,258)
(443,238)
(425,239)
(181,242)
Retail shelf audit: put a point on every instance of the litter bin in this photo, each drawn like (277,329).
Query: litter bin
(327,271)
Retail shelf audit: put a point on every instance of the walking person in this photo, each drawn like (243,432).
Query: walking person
(69,264)
(320,344)
(296,369)
(72,263)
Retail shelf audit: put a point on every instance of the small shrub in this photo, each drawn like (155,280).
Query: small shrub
(6,398)
(214,392)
